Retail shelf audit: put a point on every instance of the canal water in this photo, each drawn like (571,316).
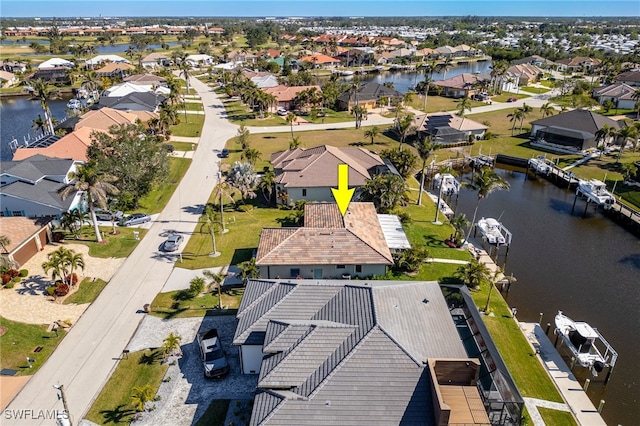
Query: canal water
(588,267)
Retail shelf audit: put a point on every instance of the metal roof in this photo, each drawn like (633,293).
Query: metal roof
(393,232)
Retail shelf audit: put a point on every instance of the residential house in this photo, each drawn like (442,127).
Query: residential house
(55,63)
(101,59)
(286,95)
(448,128)
(328,246)
(446,51)
(536,60)
(30,187)
(134,101)
(52,75)
(355,352)
(309,174)
(631,78)
(460,86)
(242,56)
(115,70)
(7,79)
(215,30)
(26,237)
(318,60)
(574,130)
(621,94)
(156,59)
(368,97)
(524,74)
(578,64)
(104,118)
(13,67)
(200,60)
(265,81)
(126,88)
(147,80)
(73,145)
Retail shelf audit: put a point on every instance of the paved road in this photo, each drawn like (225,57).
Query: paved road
(85,358)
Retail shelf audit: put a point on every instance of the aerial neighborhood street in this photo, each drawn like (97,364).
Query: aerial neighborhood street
(307,220)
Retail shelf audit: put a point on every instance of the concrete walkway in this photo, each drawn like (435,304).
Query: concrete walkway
(532,405)
(85,359)
(570,389)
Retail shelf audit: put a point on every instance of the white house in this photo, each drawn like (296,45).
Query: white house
(199,60)
(55,63)
(99,59)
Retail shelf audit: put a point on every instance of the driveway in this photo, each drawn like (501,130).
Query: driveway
(187,395)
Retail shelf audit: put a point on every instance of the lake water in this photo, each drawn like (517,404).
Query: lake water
(588,267)
(101,50)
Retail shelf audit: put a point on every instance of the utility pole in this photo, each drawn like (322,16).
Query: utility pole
(64,402)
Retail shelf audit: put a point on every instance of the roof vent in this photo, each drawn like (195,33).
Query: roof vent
(327,403)
(425,300)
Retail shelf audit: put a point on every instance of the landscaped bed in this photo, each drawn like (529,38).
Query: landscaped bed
(173,305)
(88,290)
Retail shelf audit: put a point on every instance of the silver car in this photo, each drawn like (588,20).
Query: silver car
(172,243)
(135,219)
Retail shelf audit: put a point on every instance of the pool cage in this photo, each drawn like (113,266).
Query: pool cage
(500,396)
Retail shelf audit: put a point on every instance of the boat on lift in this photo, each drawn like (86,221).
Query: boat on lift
(346,73)
(581,340)
(494,232)
(541,165)
(447,183)
(74,104)
(595,190)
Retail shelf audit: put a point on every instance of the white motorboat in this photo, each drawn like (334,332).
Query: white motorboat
(596,191)
(541,165)
(447,183)
(74,104)
(581,339)
(493,231)
(346,73)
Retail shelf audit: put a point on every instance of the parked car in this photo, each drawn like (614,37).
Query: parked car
(224,153)
(172,243)
(282,111)
(106,215)
(135,219)
(511,100)
(213,357)
(480,97)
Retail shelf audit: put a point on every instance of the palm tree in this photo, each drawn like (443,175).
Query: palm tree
(515,117)
(248,270)
(485,182)
(38,126)
(371,133)
(493,280)
(546,109)
(636,97)
(295,143)
(425,149)
(458,223)
(463,105)
(73,261)
(243,136)
(95,186)
(291,118)
(72,220)
(443,67)
(171,345)
(251,156)
(140,395)
(625,134)
(359,112)
(43,93)
(58,262)
(526,109)
(628,170)
(473,273)
(209,224)
(216,282)
(403,125)
(4,242)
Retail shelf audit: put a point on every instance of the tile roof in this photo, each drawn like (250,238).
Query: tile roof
(104,118)
(19,229)
(373,372)
(112,67)
(617,90)
(461,81)
(579,119)
(73,145)
(319,58)
(301,167)
(360,239)
(286,93)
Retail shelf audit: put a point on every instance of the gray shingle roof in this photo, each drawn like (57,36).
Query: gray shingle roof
(579,119)
(44,192)
(37,167)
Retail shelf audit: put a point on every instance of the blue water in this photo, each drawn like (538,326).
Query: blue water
(106,49)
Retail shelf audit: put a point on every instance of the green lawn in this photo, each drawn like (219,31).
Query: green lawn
(173,305)
(506,95)
(119,245)
(19,342)
(157,199)
(180,146)
(113,405)
(191,106)
(438,103)
(555,417)
(191,126)
(537,90)
(87,292)
(238,113)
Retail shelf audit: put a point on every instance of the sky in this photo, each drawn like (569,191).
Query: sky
(304,8)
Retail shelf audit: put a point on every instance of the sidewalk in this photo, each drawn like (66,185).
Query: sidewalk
(569,387)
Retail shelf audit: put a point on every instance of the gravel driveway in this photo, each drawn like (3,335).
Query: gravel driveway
(187,395)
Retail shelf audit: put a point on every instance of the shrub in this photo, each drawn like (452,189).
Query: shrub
(62,290)
(50,290)
(488,135)
(245,208)
(5,278)
(72,279)
(13,273)
(23,273)
(16,280)
(10,284)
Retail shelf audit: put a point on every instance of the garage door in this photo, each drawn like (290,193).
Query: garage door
(26,252)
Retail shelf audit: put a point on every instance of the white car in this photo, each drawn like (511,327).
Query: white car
(282,111)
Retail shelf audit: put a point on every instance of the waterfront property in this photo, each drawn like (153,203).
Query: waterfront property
(346,352)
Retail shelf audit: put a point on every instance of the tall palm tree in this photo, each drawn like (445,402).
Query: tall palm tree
(473,273)
(358,112)
(248,270)
(485,182)
(625,134)
(43,93)
(209,224)
(546,109)
(404,124)
(458,223)
(223,190)
(463,105)
(515,117)
(291,118)
(425,148)
(95,186)
(38,126)
(526,109)
(636,97)
(445,66)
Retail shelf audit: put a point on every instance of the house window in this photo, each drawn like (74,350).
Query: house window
(16,213)
(304,192)
(340,266)
(295,272)
(358,268)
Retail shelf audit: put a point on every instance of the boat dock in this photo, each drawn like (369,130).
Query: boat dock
(572,392)
(444,207)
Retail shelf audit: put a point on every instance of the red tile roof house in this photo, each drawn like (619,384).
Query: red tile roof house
(318,60)
(285,95)
(579,63)
(327,246)
(309,174)
(26,237)
(460,86)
